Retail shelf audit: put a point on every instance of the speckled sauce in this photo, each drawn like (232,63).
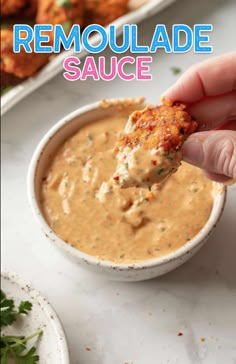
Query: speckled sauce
(119,225)
(140,167)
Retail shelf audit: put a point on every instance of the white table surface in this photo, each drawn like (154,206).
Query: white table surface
(134,323)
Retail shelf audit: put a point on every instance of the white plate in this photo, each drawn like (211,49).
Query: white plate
(55,66)
(51,346)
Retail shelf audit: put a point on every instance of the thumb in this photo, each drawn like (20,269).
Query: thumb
(213,151)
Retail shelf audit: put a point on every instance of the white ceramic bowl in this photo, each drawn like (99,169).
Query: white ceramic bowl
(124,272)
(51,346)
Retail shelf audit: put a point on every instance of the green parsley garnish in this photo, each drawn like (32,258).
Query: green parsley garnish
(15,347)
(90,138)
(126,165)
(160,171)
(176,70)
(168,156)
(65,3)
(4,26)
(9,313)
(66,26)
(4,89)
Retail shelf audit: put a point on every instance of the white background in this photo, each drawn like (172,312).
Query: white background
(125,322)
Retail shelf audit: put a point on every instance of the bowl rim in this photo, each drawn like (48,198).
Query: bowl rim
(198,239)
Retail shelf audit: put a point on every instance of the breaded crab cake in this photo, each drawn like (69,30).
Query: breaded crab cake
(150,149)
(30,8)
(18,64)
(8,80)
(11,7)
(64,12)
(104,12)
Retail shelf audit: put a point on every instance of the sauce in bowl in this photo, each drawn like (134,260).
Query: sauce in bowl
(113,226)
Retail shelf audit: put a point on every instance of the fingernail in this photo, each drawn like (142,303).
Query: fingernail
(193,151)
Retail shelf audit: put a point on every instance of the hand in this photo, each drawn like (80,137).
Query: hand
(209,90)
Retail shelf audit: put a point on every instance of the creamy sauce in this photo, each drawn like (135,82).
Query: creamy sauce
(142,167)
(112,224)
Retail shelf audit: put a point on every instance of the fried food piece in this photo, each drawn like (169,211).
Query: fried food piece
(19,64)
(104,12)
(64,12)
(150,149)
(11,7)
(30,8)
(8,80)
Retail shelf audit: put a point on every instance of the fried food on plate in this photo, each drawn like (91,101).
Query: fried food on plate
(8,80)
(104,12)
(11,7)
(150,149)
(64,12)
(30,8)
(19,64)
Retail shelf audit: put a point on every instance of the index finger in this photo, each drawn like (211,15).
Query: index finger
(213,77)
